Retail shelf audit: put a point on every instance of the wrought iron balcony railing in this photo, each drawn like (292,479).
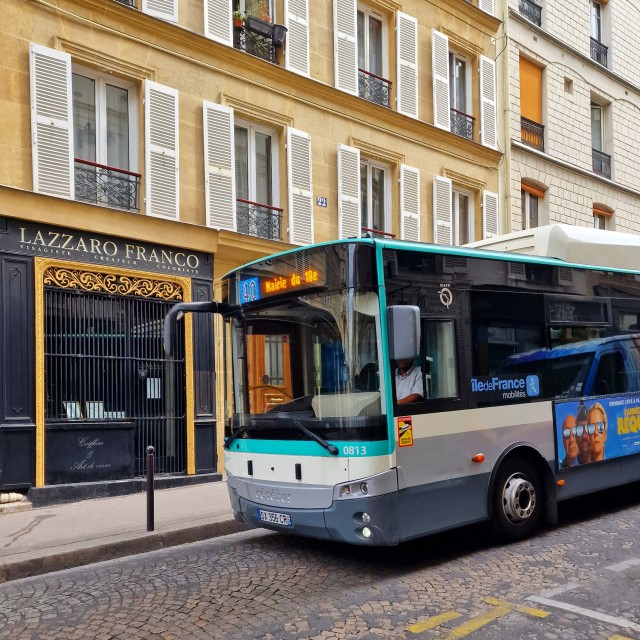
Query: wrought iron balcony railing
(260,220)
(599,52)
(255,44)
(462,124)
(128,3)
(375,233)
(601,163)
(532,133)
(531,11)
(373,88)
(106,186)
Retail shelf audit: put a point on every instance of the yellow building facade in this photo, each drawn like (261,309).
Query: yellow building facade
(149,146)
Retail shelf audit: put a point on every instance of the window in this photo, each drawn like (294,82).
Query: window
(441,376)
(459,91)
(372,70)
(601,160)
(532,132)
(374,196)
(256,186)
(601,217)
(262,9)
(596,20)
(104,111)
(463,219)
(529,209)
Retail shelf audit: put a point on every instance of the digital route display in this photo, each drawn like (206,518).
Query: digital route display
(259,287)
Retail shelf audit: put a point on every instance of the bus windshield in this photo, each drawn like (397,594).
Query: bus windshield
(312,359)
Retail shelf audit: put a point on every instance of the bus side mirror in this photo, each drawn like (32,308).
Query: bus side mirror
(404,332)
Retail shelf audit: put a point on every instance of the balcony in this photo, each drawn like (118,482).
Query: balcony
(601,163)
(531,11)
(532,134)
(462,124)
(366,232)
(106,186)
(127,3)
(260,220)
(373,88)
(259,38)
(599,52)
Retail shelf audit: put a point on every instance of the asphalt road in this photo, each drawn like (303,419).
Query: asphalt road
(579,580)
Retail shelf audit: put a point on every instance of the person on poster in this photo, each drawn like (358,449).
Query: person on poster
(598,427)
(584,438)
(408,382)
(570,442)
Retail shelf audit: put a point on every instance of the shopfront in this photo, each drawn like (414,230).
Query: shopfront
(86,386)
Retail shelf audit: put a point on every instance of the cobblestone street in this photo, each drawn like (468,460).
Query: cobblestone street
(578,580)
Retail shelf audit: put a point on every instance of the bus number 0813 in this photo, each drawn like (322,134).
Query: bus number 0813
(354,450)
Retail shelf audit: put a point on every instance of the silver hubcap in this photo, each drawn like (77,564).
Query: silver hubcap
(518,499)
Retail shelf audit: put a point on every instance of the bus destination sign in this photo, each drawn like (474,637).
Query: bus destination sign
(258,287)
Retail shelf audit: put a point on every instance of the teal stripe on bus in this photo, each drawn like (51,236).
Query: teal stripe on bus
(351,449)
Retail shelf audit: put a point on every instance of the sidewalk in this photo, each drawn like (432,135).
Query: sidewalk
(34,541)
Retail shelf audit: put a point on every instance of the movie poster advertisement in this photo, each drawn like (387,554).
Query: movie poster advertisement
(596,429)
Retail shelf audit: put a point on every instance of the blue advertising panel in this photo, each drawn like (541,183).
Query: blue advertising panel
(590,430)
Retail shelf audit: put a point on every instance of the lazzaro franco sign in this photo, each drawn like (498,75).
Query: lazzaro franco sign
(70,244)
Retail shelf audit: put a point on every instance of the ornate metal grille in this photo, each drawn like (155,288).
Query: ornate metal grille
(532,133)
(255,44)
(462,124)
(107,186)
(531,11)
(601,163)
(599,52)
(128,3)
(258,220)
(373,88)
(104,360)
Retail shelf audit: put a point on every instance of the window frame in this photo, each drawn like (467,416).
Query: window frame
(595,20)
(241,5)
(528,197)
(369,200)
(456,192)
(453,56)
(598,107)
(368,12)
(101,81)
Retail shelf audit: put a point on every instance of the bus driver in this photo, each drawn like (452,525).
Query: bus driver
(408,382)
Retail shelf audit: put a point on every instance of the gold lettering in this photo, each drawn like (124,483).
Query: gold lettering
(22,239)
(129,249)
(81,244)
(110,244)
(167,257)
(68,237)
(55,238)
(39,239)
(195,260)
(153,256)
(142,253)
(176,258)
(95,244)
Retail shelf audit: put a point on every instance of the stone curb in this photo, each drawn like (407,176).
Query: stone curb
(78,555)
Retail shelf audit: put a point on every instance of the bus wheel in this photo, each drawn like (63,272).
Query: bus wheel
(517,500)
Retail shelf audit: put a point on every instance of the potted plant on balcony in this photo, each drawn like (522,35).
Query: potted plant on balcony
(238,18)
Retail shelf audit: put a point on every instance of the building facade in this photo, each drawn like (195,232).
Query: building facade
(148,146)
(574,114)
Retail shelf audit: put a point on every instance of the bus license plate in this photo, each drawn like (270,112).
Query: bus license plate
(283,519)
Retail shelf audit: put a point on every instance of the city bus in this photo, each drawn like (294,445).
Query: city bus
(319,444)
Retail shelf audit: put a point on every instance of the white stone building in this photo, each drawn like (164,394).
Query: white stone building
(572,122)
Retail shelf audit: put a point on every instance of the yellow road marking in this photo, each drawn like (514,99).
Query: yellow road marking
(478,622)
(616,637)
(433,622)
(538,613)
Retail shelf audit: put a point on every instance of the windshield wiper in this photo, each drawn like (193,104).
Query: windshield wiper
(232,437)
(331,448)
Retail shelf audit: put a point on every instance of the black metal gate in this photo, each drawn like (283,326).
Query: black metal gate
(104,361)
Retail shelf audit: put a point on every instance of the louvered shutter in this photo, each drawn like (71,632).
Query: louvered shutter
(407,55)
(296,15)
(488,112)
(349,191)
(51,121)
(300,187)
(409,203)
(487,6)
(345,39)
(217,21)
(440,60)
(219,166)
(161,150)
(165,9)
(442,211)
(490,224)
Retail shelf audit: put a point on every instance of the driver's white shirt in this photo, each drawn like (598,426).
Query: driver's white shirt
(409,383)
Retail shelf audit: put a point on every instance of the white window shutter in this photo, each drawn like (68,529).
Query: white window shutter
(164,9)
(161,149)
(487,6)
(219,166)
(296,17)
(490,224)
(349,192)
(407,55)
(488,111)
(51,121)
(300,187)
(345,42)
(217,21)
(440,60)
(442,211)
(409,203)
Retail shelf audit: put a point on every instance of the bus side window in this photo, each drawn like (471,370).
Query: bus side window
(439,365)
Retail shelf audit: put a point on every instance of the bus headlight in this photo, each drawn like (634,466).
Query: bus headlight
(366,532)
(366,518)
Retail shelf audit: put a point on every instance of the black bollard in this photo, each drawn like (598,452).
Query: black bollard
(150,470)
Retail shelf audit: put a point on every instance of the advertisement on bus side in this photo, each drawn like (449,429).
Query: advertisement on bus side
(590,430)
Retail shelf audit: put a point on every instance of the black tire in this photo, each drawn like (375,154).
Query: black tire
(517,500)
